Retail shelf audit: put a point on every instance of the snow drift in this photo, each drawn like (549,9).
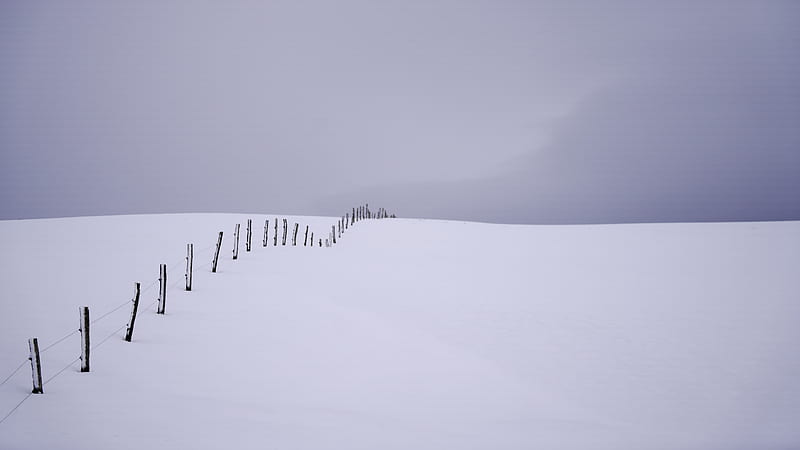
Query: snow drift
(408,334)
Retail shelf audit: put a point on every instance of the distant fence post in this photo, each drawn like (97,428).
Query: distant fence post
(285,230)
(236,242)
(129,331)
(216,253)
(346,221)
(320,242)
(275,235)
(294,235)
(36,365)
(84,329)
(266,228)
(189,263)
(312,238)
(333,232)
(249,233)
(305,239)
(162,289)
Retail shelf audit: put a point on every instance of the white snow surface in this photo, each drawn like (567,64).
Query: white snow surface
(408,334)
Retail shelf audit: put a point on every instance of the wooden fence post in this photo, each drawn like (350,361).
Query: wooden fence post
(266,228)
(129,331)
(285,230)
(320,242)
(162,289)
(189,263)
(36,365)
(346,220)
(84,329)
(249,233)
(312,237)
(275,235)
(305,239)
(236,242)
(294,235)
(216,253)
(333,231)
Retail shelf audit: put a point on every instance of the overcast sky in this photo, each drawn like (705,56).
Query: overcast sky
(498,111)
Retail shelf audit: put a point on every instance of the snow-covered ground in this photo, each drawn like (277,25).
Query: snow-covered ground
(409,334)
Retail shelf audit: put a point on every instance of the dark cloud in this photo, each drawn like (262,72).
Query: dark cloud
(521,112)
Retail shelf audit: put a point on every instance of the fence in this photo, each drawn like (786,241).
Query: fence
(36,353)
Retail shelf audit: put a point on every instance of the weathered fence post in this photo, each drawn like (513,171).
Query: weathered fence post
(305,239)
(36,365)
(129,331)
(333,231)
(236,242)
(346,220)
(275,237)
(189,264)
(266,228)
(216,253)
(285,230)
(84,329)
(249,233)
(294,235)
(312,238)
(320,242)
(162,289)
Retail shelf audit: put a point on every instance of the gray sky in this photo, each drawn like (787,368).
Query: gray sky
(499,111)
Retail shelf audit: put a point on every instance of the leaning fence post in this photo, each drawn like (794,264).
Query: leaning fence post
(84,329)
(346,221)
(294,235)
(236,242)
(189,263)
(249,233)
(216,253)
(266,228)
(36,365)
(312,237)
(305,239)
(162,289)
(129,331)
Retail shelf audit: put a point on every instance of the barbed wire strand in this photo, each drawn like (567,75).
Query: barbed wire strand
(109,336)
(15,371)
(62,370)
(15,408)
(59,341)
(110,312)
